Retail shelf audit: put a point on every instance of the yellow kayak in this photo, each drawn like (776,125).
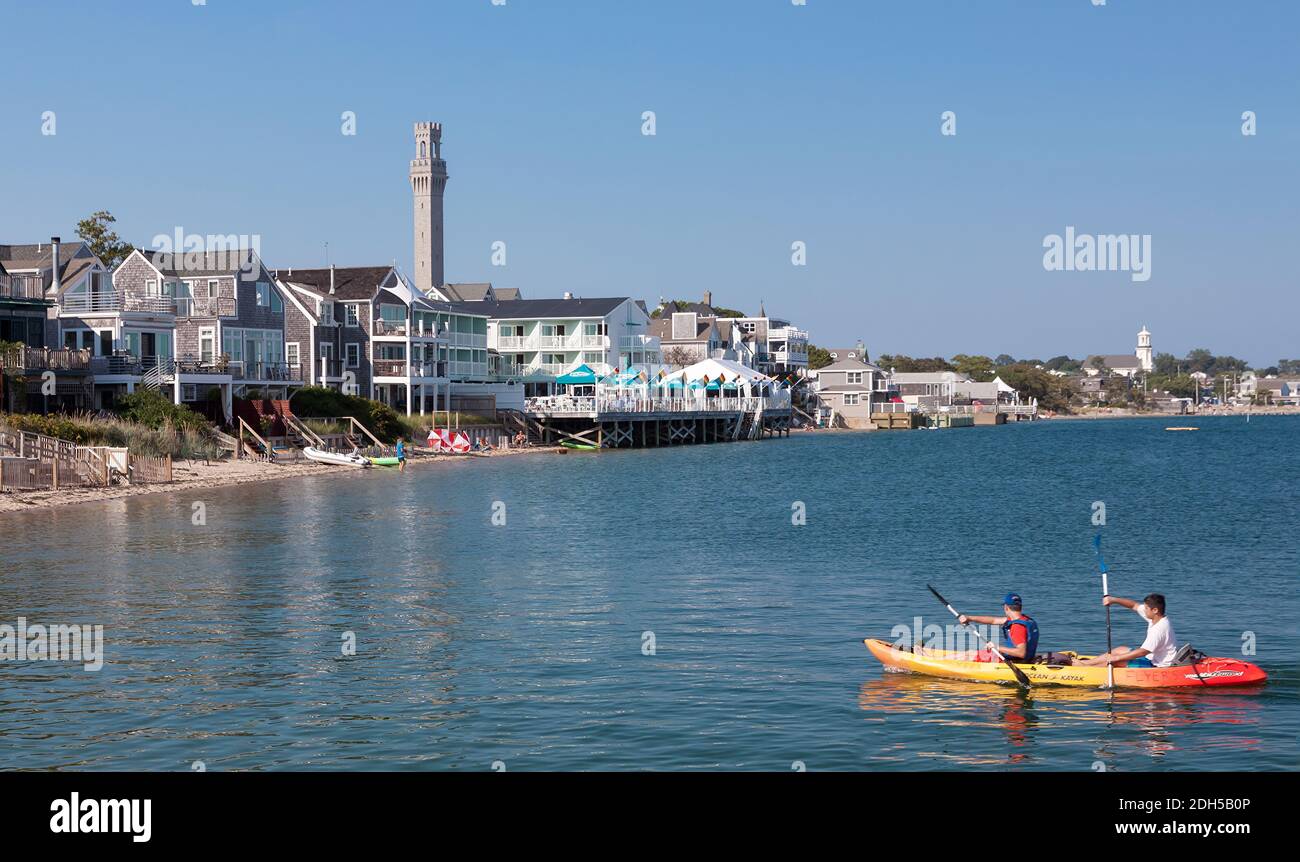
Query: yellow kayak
(957,665)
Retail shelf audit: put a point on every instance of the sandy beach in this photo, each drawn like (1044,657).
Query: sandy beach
(192,475)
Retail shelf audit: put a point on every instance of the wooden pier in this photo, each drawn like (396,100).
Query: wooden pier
(613,423)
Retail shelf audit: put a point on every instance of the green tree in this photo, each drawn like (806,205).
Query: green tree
(1063,363)
(1054,393)
(907,364)
(818,357)
(102,239)
(975,367)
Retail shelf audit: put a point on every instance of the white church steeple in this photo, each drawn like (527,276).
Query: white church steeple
(1144,351)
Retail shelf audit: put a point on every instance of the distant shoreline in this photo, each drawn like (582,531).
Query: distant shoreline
(1267,411)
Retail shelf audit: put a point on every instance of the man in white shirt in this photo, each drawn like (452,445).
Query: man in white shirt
(1159,648)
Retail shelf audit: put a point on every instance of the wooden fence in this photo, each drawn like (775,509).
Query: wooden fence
(37,462)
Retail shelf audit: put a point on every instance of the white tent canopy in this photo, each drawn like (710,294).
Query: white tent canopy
(731,371)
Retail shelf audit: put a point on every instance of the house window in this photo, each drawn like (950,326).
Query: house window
(214,288)
(350,315)
(277,304)
(326,310)
(291,353)
(854,376)
(189,392)
(263,294)
(850,399)
(352,351)
(207,345)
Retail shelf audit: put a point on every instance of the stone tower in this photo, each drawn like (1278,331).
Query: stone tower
(1144,351)
(428,181)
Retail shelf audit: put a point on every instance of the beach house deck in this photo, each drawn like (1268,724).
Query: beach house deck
(623,421)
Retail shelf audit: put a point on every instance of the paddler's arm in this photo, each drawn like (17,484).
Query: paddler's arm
(1122,602)
(984,621)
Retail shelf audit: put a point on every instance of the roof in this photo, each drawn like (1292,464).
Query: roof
(192,264)
(472,291)
(350,282)
(527,309)
(1114,360)
(41,256)
(508,293)
(663,327)
(847,352)
(850,365)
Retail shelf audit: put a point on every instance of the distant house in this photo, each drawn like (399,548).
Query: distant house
(687,337)
(929,387)
(850,388)
(1122,364)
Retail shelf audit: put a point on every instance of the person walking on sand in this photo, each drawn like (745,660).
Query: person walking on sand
(401,454)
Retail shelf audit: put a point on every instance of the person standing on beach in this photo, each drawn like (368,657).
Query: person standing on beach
(401,454)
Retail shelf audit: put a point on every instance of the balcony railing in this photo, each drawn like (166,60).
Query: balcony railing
(402,368)
(547,342)
(45,359)
(105,301)
(21,287)
(271,371)
(391,327)
(125,363)
(467,369)
(205,306)
(561,404)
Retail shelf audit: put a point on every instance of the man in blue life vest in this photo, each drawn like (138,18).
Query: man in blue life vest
(1019,631)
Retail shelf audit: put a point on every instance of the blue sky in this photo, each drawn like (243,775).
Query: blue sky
(775,123)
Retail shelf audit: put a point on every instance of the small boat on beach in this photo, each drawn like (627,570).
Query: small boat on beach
(583,447)
(340,459)
(1200,673)
(386,461)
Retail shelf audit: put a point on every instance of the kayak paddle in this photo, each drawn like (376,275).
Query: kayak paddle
(1019,674)
(1105,591)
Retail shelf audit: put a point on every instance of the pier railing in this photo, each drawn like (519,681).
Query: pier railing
(564,404)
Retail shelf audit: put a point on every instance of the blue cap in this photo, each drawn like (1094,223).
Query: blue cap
(1011,600)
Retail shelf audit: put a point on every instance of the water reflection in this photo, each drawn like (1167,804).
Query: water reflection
(1125,723)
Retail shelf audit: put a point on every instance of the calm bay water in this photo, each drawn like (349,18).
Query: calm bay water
(523,643)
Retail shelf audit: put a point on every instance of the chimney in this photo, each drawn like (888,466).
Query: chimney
(331,279)
(568,295)
(54,252)
(708,298)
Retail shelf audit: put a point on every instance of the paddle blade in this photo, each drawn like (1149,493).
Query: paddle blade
(936,594)
(1020,675)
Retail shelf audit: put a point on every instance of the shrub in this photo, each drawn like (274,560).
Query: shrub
(380,419)
(151,408)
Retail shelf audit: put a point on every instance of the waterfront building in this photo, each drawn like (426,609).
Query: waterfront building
(849,390)
(367,331)
(1141,361)
(205,326)
(537,340)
